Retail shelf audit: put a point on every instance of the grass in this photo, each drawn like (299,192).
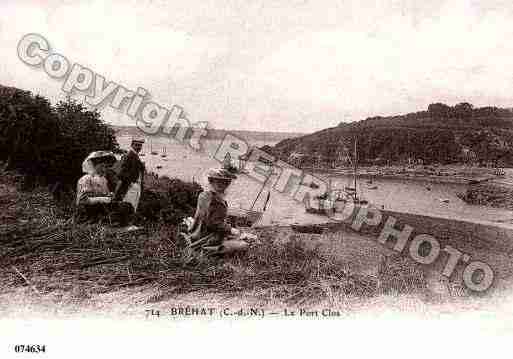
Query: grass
(67,257)
(44,251)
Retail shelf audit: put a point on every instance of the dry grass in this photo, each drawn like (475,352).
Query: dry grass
(42,250)
(88,260)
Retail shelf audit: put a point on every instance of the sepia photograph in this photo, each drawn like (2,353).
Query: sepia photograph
(326,177)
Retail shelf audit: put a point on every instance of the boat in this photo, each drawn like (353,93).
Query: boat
(307,228)
(243,217)
(323,196)
(336,200)
(164,152)
(229,165)
(352,192)
(159,167)
(154,153)
(499,172)
(320,211)
(311,185)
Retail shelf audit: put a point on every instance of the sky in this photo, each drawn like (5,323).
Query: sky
(269,65)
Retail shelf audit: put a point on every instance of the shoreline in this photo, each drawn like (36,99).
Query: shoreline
(356,254)
(443,174)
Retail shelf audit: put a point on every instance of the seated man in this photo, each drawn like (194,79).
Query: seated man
(208,229)
(94,194)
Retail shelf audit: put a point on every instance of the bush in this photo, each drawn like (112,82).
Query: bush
(81,132)
(48,143)
(167,200)
(28,131)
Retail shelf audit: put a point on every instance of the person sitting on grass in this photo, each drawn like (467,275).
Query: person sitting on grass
(94,192)
(208,229)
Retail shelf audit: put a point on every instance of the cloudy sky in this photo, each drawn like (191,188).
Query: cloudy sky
(275,65)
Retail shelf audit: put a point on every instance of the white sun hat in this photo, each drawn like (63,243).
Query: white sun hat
(88,166)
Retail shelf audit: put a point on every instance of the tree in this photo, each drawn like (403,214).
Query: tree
(463,110)
(81,132)
(49,143)
(28,130)
(439,110)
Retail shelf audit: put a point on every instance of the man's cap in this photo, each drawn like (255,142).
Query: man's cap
(138,140)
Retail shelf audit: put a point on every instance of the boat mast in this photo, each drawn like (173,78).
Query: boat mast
(355,167)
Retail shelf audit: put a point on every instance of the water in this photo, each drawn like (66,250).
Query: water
(402,195)
(424,197)
(180,161)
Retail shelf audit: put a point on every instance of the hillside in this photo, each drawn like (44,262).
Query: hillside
(442,134)
(220,134)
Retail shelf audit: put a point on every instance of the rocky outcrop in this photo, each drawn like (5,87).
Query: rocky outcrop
(489,194)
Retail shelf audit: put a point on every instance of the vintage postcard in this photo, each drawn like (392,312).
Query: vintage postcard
(322,177)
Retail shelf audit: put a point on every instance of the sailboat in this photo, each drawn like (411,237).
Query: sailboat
(352,192)
(164,152)
(154,153)
(339,198)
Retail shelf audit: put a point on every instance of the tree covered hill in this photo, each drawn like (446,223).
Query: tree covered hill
(442,134)
(219,134)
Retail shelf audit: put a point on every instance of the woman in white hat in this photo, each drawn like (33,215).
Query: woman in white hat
(209,229)
(94,190)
